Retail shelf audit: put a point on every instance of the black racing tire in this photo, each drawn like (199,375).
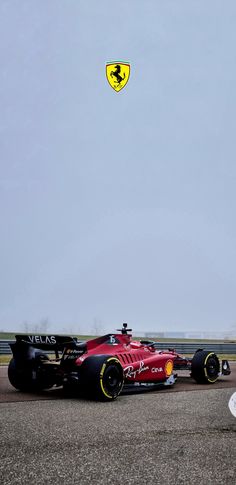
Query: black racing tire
(102,377)
(205,367)
(20,376)
(23,375)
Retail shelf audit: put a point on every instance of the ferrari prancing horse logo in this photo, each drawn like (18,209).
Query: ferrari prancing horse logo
(117,73)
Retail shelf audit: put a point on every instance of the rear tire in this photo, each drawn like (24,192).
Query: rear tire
(24,376)
(205,367)
(102,377)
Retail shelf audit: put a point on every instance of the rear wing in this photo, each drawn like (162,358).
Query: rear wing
(46,342)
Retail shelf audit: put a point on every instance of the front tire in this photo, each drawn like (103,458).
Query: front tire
(102,377)
(205,367)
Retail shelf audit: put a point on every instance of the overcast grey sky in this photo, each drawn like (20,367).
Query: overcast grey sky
(118,206)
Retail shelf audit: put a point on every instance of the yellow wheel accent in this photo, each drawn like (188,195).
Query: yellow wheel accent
(103,390)
(102,377)
(102,369)
(114,359)
(111,359)
(205,370)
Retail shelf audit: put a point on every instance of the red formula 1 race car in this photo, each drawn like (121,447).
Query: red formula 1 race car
(100,368)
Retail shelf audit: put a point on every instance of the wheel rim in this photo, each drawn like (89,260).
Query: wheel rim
(212,368)
(112,379)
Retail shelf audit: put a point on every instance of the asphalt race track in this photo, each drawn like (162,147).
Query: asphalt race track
(184,383)
(185,435)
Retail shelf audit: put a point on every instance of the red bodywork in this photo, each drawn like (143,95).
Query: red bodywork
(96,365)
(140,362)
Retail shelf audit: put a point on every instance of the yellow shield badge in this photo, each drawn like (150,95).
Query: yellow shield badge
(117,73)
